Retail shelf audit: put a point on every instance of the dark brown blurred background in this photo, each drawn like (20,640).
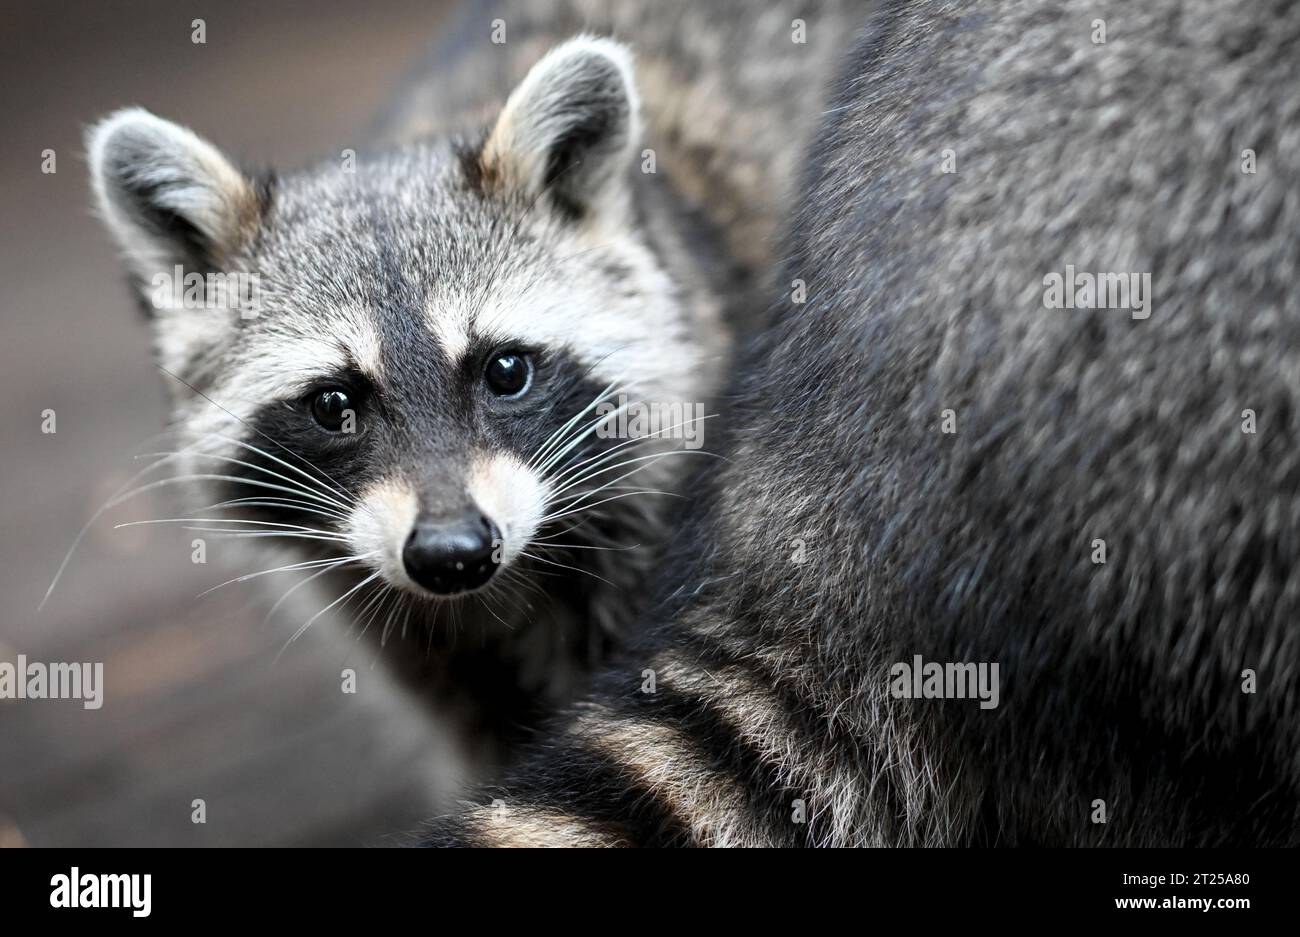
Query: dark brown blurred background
(196,704)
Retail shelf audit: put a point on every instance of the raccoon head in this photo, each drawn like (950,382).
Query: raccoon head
(399,361)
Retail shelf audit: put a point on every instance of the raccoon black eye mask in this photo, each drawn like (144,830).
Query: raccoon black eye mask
(443,558)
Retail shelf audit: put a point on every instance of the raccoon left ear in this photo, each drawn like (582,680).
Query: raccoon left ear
(569,129)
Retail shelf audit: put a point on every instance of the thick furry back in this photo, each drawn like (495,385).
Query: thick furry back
(931,460)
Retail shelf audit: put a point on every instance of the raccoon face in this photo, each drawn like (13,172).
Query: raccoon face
(397,362)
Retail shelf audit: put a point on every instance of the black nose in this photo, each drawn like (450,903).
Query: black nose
(447,557)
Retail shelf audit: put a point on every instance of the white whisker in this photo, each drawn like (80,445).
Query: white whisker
(297,488)
(112,502)
(576,569)
(594,491)
(343,598)
(226,534)
(305,507)
(298,585)
(337,488)
(606,454)
(292,567)
(219,520)
(588,507)
(579,437)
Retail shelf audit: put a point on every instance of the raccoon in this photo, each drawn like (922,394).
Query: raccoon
(931,463)
(413,401)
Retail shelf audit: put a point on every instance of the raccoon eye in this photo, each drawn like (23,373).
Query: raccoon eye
(508,375)
(330,408)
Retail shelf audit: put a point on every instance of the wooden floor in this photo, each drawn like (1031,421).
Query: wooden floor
(199,701)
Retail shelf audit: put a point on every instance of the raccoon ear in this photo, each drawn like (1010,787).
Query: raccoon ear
(168,196)
(569,128)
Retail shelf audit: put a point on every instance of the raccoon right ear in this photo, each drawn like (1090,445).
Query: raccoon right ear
(168,196)
(569,129)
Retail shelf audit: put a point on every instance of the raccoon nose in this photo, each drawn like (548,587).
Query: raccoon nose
(447,557)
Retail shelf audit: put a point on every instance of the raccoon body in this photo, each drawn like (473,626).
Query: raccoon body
(413,404)
(930,462)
